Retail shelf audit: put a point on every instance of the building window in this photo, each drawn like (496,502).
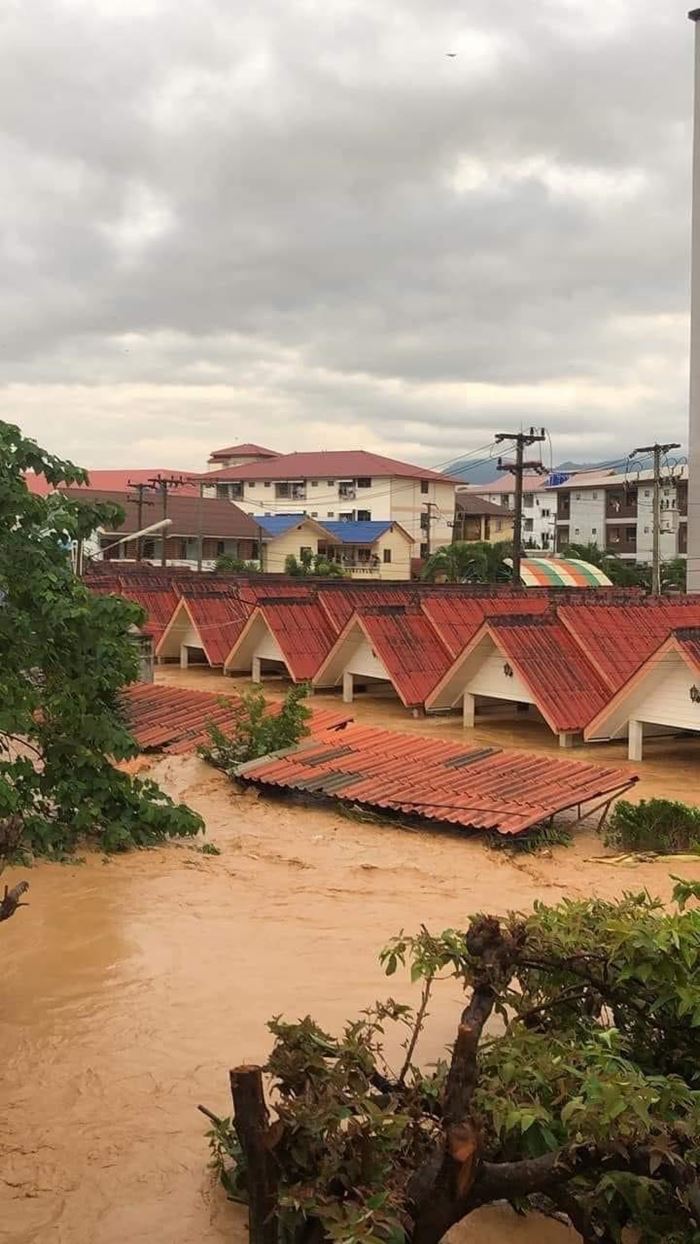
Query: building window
(424,550)
(424,486)
(630,533)
(330,514)
(364,482)
(387,556)
(149,548)
(347,516)
(614,535)
(364,516)
(424,522)
(220,548)
(314,483)
(267,483)
(594,531)
(305,551)
(314,513)
(595,496)
(330,483)
(528,499)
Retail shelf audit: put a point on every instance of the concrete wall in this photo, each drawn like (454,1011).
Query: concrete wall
(289,543)
(587,522)
(490,679)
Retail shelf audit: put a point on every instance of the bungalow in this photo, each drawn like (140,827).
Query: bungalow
(662,697)
(375,550)
(203,627)
(524,660)
(394,644)
(284,634)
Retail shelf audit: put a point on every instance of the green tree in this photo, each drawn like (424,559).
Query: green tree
(226,563)
(67,653)
(581,1101)
(259,729)
(673,574)
(468,561)
(312,564)
(619,571)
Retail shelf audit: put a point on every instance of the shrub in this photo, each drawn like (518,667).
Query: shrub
(662,825)
(258,731)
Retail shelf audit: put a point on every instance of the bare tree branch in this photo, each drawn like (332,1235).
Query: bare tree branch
(11,900)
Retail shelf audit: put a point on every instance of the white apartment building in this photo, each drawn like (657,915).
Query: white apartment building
(343,485)
(539,506)
(615,512)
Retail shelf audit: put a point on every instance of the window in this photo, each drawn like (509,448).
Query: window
(595,496)
(630,533)
(614,535)
(306,551)
(647,492)
(576,531)
(267,483)
(499,524)
(364,516)
(220,548)
(314,483)
(364,482)
(529,524)
(528,499)
(546,513)
(330,483)
(346,516)
(424,486)
(149,548)
(594,531)
(577,496)
(424,550)
(424,522)
(330,514)
(387,556)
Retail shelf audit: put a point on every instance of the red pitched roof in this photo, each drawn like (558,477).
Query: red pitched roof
(478,788)
(243,451)
(341,602)
(328,463)
(219,620)
(410,648)
(567,689)
(458,618)
(617,639)
(302,630)
(687,640)
(684,641)
(117,481)
(189,514)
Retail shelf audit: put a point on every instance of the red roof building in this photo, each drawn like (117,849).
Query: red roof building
(207,625)
(525,660)
(234,455)
(458,618)
(118,480)
(324,463)
(390,643)
(287,634)
(619,638)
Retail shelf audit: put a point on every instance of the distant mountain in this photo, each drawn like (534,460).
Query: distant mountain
(487,472)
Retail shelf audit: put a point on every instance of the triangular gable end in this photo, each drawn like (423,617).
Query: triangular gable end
(181,629)
(482,660)
(255,640)
(352,653)
(659,694)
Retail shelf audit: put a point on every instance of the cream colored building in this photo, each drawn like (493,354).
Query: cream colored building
(344,486)
(367,550)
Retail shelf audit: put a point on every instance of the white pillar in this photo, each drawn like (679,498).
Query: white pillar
(694,436)
(348,687)
(635,750)
(184,657)
(255,670)
(468,710)
(567,738)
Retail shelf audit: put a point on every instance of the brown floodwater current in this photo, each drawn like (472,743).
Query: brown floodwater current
(131,985)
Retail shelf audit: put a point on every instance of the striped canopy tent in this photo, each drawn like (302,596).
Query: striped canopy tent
(561,572)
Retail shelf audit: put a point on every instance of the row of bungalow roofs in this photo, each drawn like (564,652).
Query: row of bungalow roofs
(594,665)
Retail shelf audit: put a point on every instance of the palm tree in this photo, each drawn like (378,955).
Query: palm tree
(469,561)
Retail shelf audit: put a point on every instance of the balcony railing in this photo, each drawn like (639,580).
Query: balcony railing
(620,505)
(346,492)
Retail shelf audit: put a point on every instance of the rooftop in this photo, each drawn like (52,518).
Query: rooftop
(470,503)
(118,480)
(327,464)
(243,451)
(189,514)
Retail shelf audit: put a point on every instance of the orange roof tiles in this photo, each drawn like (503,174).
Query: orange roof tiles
(458,618)
(618,638)
(300,627)
(478,788)
(218,619)
(409,647)
(175,720)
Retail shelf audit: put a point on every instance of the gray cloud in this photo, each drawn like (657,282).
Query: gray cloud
(304,225)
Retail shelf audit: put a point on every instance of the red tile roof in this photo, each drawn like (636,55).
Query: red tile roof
(613,718)
(301,628)
(687,640)
(218,618)
(458,618)
(341,602)
(243,451)
(328,463)
(566,687)
(406,642)
(482,788)
(174,719)
(618,638)
(118,480)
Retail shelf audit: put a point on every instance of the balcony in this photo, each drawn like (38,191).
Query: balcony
(291,490)
(622,541)
(620,503)
(562,538)
(346,490)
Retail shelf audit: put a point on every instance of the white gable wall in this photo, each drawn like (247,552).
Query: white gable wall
(364,662)
(662,698)
(489,679)
(267,648)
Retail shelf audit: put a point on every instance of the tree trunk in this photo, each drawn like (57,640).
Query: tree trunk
(252,1128)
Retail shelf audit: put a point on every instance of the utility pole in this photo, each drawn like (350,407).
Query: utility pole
(140,490)
(657,451)
(518,469)
(429,506)
(163,484)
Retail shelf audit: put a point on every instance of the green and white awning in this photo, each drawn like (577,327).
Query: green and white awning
(561,572)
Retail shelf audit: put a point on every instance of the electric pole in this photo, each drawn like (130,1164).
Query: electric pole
(657,451)
(140,490)
(518,469)
(163,484)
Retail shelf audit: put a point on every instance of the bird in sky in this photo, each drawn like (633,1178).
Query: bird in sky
(450,53)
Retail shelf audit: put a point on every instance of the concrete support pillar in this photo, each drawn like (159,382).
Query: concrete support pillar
(348,688)
(255,670)
(468,710)
(184,657)
(635,750)
(567,738)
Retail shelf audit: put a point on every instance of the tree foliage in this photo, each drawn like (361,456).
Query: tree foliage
(582,1098)
(66,654)
(259,731)
(663,825)
(468,561)
(226,563)
(314,564)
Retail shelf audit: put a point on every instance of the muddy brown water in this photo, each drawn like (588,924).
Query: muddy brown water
(131,985)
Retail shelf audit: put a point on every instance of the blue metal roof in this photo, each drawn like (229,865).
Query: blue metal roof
(277,524)
(356,533)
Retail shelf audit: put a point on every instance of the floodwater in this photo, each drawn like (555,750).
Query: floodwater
(131,985)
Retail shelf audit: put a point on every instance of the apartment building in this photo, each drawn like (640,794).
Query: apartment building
(616,512)
(479,519)
(343,486)
(539,505)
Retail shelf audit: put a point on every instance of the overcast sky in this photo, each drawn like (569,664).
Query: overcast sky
(300,222)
